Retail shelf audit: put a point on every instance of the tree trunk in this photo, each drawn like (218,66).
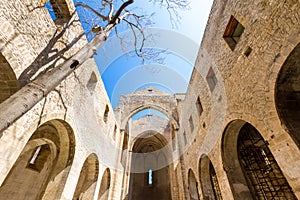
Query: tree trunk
(29,95)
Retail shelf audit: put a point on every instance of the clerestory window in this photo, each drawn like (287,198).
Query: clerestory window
(233,32)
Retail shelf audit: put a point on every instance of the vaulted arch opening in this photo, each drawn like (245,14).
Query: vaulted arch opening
(208,179)
(149,177)
(9,83)
(193,185)
(88,177)
(105,185)
(43,166)
(157,110)
(252,171)
(287,94)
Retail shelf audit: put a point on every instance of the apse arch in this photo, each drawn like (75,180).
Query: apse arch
(146,160)
(251,169)
(287,90)
(148,136)
(46,158)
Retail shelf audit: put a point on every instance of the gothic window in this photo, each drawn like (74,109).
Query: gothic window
(233,32)
(264,177)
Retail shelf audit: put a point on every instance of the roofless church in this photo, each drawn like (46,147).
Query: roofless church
(234,134)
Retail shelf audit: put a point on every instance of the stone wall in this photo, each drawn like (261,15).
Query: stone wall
(31,42)
(245,88)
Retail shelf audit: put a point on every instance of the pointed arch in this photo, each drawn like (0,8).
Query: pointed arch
(43,166)
(208,179)
(193,185)
(140,107)
(251,169)
(88,177)
(105,185)
(287,94)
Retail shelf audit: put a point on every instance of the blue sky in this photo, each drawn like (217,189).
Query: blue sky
(123,73)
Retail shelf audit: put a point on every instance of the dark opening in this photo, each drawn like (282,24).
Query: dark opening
(211,79)
(233,32)
(287,94)
(264,177)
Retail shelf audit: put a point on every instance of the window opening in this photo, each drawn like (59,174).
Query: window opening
(149,116)
(36,153)
(233,32)
(105,116)
(115,132)
(211,79)
(39,158)
(199,106)
(150,177)
(265,178)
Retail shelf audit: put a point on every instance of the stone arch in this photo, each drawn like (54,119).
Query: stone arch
(252,171)
(88,177)
(287,94)
(42,168)
(208,179)
(140,107)
(148,179)
(145,137)
(105,185)
(9,83)
(193,185)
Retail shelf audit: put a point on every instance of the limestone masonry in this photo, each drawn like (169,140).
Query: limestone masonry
(235,133)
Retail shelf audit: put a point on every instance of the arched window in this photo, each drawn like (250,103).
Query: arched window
(150,178)
(42,169)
